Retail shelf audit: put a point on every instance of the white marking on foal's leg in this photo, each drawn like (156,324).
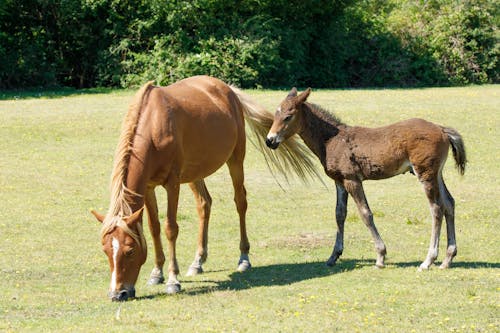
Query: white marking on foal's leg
(116,246)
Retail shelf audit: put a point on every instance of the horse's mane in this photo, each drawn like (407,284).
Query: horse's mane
(119,206)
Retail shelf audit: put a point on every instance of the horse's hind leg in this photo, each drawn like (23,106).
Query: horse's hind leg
(203,205)
(340,215)
(431,188)
(235,164)
(449,213)
(156,276)
(355,189)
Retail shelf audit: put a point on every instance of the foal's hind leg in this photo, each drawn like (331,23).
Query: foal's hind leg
(203,205)
(340,215)
(355,188)
(156,276)
(431,188)
(235,164)
(449,213)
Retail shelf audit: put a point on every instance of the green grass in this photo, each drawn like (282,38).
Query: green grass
(56,157)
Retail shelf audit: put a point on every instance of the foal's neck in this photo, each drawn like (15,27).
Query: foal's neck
(318,128)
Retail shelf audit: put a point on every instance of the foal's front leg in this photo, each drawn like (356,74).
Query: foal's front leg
(355,188)
(340,215)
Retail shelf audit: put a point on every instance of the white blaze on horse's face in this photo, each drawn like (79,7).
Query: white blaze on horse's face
(125,257)
(287,118)
(116,247)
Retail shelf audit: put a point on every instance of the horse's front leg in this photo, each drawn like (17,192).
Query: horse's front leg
(172,230)
(340,215)
(355,188)
(203,205)
(156,276)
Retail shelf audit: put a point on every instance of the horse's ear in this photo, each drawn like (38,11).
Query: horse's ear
(98,216)
(303,96)
(135,217)
(293,92)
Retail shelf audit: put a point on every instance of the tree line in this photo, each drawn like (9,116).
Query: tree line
(250,43)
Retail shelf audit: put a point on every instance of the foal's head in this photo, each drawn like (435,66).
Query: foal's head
(124,244)
(287,119)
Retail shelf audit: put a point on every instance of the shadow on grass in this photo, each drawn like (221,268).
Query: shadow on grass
(286,274)
(455,264)
(272,275)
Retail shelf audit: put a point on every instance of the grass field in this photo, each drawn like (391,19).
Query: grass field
(56,157)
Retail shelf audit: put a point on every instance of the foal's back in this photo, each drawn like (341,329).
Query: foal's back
(383,152)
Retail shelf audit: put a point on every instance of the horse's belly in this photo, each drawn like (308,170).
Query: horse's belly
(206,152)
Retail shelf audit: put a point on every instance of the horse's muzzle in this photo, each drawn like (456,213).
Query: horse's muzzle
(122,295)
(272,143)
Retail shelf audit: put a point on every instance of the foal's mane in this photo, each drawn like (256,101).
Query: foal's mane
(325,115)
(119,207)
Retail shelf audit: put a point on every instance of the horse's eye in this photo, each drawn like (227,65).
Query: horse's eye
(129,253)
(288,118)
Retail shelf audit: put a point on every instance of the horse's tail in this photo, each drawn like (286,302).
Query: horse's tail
(458,148)
(292,155)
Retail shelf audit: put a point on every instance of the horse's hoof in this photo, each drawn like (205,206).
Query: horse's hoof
(155,280)
(379,266)
(156,277)
(244,265)
(194,270)
(173,288)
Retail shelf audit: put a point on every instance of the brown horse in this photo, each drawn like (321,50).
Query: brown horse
(171,135)
(351,154)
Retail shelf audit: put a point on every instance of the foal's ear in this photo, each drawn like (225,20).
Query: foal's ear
(98,216)
(303,95)
(293,92)
(135,217)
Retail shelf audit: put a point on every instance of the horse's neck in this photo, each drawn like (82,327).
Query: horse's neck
(317,130)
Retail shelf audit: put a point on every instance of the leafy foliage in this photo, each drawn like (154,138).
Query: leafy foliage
(321,43)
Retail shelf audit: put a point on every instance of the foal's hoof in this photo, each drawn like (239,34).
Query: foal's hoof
(173,288)
(194,270)
(331,261)
(244,265)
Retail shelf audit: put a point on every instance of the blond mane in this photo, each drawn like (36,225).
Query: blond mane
(119,206)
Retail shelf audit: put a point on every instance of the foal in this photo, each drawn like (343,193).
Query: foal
(351,154)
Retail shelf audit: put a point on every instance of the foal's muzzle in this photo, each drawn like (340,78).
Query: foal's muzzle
(122,295)
(272,143)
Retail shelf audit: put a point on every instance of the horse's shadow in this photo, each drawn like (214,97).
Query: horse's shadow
(287,274)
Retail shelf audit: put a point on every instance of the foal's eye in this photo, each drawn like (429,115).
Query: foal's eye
(288,118)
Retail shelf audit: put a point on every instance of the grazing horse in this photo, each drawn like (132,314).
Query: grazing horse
(171,135)
(351,154)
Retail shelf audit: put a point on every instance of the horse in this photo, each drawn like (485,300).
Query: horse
(352,154)
(172,135)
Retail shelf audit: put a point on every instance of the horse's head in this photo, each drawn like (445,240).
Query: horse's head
(124,244)
(287,119)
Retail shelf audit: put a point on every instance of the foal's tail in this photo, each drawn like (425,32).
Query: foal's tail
(458,148)
(293,155)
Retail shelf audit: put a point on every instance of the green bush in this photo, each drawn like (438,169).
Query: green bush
(251,43)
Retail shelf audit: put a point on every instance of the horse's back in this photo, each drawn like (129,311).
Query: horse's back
(197,122)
